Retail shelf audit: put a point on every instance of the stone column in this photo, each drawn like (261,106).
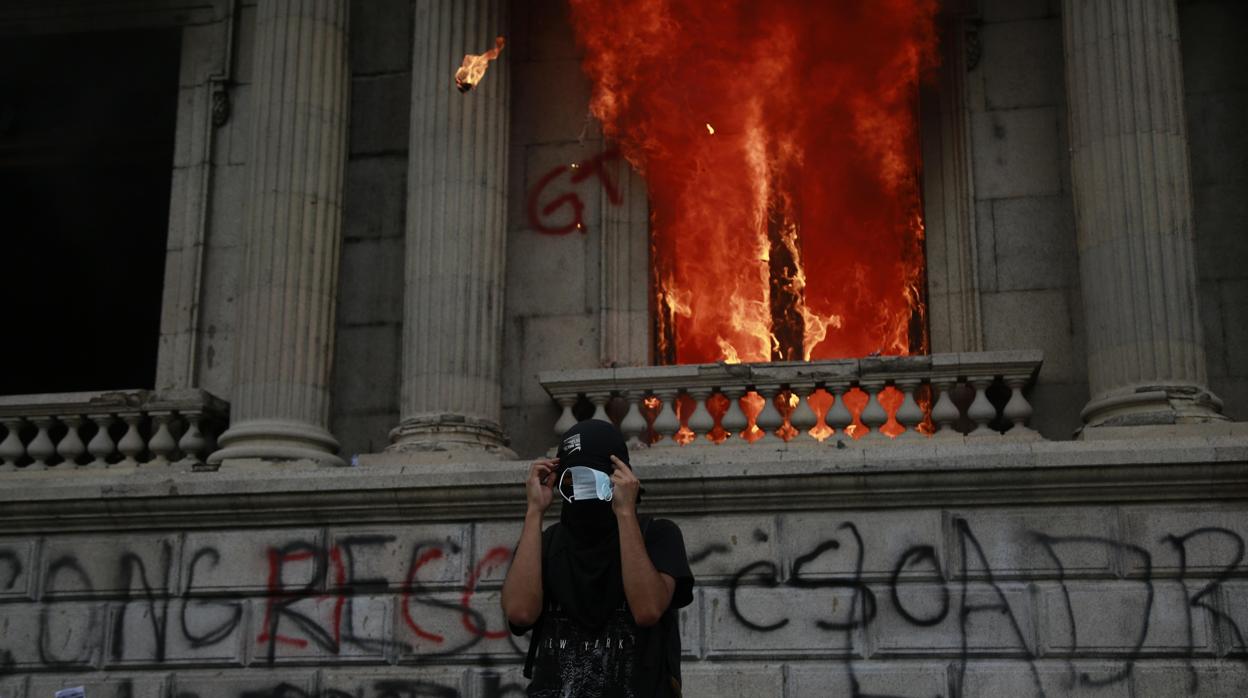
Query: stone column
(456,218)
(292,235)
(1133,208)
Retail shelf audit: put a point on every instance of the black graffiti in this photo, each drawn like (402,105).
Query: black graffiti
(222,631)
(979,594)
(1002,605)
(1051,545)
(1199,599)
(157,604)
(10,560)
(47,656)
(709,550)
(913,556)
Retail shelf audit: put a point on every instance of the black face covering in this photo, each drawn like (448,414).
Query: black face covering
(585,576)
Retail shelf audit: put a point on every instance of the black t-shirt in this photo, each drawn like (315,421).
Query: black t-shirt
(619,660)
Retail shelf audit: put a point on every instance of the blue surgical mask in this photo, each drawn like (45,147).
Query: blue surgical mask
(579,483)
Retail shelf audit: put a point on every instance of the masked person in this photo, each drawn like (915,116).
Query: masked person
(600,589)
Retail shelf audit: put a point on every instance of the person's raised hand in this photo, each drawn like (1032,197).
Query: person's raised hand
(625,488)
(540,487)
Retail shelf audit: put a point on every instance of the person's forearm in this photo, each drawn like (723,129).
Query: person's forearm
(522,588)
(647,592)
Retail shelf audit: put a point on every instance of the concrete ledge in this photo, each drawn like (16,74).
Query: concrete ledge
(679,481)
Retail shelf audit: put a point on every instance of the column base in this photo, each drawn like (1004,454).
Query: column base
(450,436)
(1153,404)
(272,440)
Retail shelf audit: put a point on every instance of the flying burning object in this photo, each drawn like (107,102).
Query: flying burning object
(473,68)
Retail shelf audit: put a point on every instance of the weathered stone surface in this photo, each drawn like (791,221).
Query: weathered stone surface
(65,635)
(138,686)
(1026,65)
(1020,678)
(931,627)
(828,546)
(268,682)
(247,561)
(16,568)
(379,559)
(717,680)
(1023,544)
(872,678)
(318,629)
(430,627)
(1015,153)
(718,548)
(159,633)
(764,620)
(82,565)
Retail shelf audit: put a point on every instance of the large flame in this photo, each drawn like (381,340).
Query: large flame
(779,145)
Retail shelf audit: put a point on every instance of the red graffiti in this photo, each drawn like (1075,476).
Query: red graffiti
(430,554)
(539,215)
(276,560)
(496,557)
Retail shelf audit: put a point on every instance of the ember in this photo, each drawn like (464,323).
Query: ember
(474,65)
(796,232)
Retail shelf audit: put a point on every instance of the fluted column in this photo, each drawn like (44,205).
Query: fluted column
(292,235)
(456,217)
(1133,207)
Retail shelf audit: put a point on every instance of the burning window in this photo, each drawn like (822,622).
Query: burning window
(779,144)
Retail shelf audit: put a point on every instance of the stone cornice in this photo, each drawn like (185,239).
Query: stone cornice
(685,481)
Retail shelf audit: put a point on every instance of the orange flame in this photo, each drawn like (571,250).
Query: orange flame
(796,231)
(473,68)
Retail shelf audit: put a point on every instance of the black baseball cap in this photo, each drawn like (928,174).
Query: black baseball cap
(592,443)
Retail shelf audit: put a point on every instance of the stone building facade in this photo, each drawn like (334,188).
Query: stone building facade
(297,472)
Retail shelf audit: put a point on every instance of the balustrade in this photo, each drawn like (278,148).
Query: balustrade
(112,429)
(875,400)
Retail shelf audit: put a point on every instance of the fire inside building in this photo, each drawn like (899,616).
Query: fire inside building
(920,318)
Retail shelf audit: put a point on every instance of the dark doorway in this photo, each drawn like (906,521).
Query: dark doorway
(86,157)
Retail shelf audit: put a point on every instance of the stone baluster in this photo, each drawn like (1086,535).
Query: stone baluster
(769,419)
(700,421)
(1018,410)
(599,400)
(41,448)
(839,417)
(803,417)
(945,413)
(566,420)
(193,443)
(162,444)
(909,414)
(633,426)
(131,444)
(11,449)
(1133,214)
(666,423)
(874,416)
(981,410)
(291,236)
(734,421)
(455,240)
(70,447)
(101,446)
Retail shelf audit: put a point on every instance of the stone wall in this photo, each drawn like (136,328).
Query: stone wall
(1020,571)
(1217,108)
(1025,229)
